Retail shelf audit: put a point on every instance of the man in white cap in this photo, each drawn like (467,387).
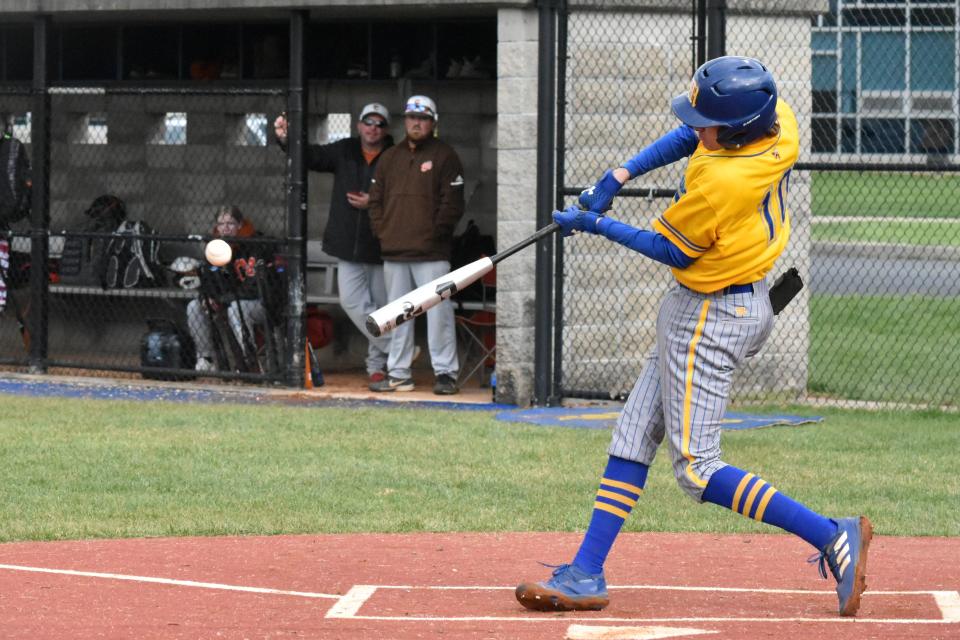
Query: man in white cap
(416,201)
(348,236)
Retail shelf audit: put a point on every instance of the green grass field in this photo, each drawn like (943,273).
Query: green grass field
(849,193)
(87,469)
(889,195)
(913,233)
(885,348)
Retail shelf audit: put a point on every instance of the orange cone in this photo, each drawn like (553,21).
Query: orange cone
(307,374)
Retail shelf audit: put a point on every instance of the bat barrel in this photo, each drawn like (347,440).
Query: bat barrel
(372,326)
(425,297)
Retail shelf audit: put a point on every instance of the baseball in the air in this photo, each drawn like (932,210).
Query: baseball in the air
(218,252)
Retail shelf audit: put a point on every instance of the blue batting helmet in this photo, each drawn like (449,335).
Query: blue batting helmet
(736,94)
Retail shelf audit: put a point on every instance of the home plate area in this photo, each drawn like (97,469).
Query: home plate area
(699,605)
(399,586)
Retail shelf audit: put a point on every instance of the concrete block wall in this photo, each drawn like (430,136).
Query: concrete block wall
(623,71)
(176,188)
(517,38)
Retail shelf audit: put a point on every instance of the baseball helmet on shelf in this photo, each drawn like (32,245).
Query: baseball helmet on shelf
(185,273)
(737,94)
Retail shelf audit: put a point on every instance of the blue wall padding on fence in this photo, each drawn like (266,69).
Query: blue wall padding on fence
(606,417)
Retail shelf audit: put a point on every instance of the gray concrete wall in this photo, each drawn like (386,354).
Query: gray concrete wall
(517,34)
(176,188)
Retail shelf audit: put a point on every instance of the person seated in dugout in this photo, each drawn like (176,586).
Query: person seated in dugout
(235,288)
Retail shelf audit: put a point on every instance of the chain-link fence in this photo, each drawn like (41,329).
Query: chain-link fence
(139,181)
(873,199)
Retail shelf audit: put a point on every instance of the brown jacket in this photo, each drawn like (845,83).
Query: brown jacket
(416,201)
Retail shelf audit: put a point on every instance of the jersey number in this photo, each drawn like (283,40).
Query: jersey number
(782,188)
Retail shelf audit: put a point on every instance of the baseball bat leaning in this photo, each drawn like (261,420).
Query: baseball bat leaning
(425,297)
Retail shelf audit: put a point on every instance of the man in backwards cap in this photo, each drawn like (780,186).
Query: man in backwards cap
(416,201)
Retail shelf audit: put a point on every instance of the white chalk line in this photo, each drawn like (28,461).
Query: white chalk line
(947,601)
(169,581)
(349,604)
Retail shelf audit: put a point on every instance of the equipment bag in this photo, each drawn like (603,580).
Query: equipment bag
(164,345)
(131,258)
(82,257)
(15,182)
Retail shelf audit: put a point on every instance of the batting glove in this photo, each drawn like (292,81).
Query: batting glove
(574,218)
(599,197)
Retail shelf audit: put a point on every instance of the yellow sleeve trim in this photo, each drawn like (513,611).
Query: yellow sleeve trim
(692,249)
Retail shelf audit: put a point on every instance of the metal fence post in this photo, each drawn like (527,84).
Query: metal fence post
(556,388)
(296,202)
(716,28)
(39,225)
(546,157)
(699,33)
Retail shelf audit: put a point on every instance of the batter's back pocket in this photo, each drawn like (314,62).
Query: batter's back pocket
(785,289)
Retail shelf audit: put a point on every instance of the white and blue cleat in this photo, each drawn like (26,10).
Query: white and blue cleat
(570,589)
(846,556)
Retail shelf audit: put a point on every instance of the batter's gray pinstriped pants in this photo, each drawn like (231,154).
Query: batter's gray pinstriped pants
(683,389)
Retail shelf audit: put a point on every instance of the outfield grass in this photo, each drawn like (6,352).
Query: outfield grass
(86,469)
(849,193)
(890,195)
(885,348)
(912,233)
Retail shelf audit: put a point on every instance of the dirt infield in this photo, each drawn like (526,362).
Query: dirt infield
(461,586)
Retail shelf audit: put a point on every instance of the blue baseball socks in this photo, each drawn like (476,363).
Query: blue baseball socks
(620,487)
(750,496)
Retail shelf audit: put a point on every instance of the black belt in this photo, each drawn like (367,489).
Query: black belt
(726,291)
(736,288)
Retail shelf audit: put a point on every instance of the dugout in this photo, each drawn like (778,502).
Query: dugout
(171,111)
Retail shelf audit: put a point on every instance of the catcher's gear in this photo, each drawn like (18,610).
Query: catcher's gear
(598,197)
(574,218)
(737,94)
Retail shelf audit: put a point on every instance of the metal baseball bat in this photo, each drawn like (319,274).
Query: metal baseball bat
(425,297)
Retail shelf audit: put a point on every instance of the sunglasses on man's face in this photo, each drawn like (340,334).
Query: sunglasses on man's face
(371,122)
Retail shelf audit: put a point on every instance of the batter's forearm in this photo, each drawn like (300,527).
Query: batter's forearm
(650,243)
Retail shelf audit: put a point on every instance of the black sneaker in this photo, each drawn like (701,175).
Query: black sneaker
(392,384)
(446,385)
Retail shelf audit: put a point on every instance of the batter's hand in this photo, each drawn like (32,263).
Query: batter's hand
(573,218)
(599,197)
